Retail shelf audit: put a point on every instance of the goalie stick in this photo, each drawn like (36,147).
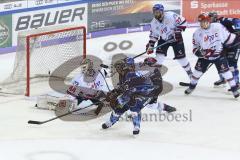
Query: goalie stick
(99,108)
(104,79)
(68,113)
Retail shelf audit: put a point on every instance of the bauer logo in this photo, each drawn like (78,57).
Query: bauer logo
(4,33)
(194,4)
(45,19)
(68,15)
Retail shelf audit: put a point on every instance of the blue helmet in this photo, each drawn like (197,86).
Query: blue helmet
(159,7)
(129,61)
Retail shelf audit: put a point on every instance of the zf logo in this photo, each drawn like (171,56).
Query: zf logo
(49,19)
(194,4)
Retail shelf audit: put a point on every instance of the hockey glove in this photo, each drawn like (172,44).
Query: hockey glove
(198,53)
(178,33)
(150,46)
(100,95)
(208,52)
(150,61)
(203,53)
(112,95)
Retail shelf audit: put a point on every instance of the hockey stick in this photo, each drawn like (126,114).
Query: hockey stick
(65,114)
(169,41)
(185,84)
(104,66)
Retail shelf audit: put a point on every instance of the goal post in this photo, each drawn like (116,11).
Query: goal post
(41,51)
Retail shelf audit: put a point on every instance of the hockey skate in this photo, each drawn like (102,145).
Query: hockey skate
(190,89)
(235,91)
(136,119)
(238,87)
(219,83)
(136,130)
(113,119)
(106,125)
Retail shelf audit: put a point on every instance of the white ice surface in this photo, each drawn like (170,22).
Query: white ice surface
(213,133)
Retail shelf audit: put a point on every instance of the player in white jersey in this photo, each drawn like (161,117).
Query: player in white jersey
(167,26)
(208,43)
(88,85)
(232,52)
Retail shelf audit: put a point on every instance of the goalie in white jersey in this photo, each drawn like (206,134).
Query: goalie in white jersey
(168,26)
(208,42)
(88,85)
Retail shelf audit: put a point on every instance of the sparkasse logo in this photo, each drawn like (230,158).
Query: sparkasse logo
(194,4)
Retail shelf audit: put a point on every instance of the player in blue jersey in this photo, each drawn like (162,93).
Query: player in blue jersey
(135,91)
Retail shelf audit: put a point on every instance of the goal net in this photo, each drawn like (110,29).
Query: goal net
(44,53)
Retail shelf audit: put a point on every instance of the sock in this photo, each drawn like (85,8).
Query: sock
(185,65)
(236,75)
(229,77)
(114,117)
(136,119)
(195,77)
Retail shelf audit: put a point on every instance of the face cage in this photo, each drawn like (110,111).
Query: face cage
(204,24)
(84,68)
(157,14)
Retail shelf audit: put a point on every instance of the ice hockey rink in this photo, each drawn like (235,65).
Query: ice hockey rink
(211,133)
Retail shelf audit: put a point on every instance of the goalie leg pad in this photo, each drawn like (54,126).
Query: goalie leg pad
(50,102)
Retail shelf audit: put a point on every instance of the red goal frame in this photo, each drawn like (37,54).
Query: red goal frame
(28,38)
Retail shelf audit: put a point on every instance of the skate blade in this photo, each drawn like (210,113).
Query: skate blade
(220,86)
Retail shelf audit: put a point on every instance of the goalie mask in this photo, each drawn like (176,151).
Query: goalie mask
(86,66)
